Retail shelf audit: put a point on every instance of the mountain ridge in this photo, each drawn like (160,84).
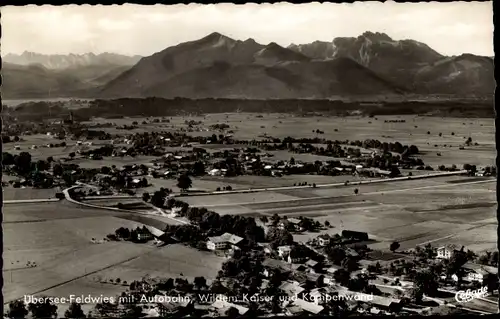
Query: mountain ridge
(217,66)
(71,60)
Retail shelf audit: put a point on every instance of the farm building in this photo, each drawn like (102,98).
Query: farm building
(224,241)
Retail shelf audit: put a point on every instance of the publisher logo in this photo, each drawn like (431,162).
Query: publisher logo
(468,295)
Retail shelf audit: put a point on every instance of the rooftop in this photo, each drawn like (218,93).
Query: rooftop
(226,238)
(308,306)
(223,306)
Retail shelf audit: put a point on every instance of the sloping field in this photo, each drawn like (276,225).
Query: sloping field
(45,211)
(75,264)
(11,193)
(169,261)
(45,240)
(254,181)
(234,199)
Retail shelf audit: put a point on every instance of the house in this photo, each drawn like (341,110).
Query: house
(215,172)
(286,224)
(224,241)
(222,306)
(333,269)
(307,306)
(171,307)
(270,264)
(266,248)
(477,275)
(143,234)
(316,295)
(284,251)
(351,252)
(291,288)
(477,272)
(311,263)
(378,301)
(446,251)
(323,240)
(296,257)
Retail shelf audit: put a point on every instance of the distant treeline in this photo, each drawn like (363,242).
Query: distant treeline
(183,106)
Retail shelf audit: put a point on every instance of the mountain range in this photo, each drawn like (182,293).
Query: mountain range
(217,66)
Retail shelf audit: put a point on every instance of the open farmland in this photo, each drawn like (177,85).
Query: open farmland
(414,130)
(11,193)
(167,262)
(57,236)
(439,210)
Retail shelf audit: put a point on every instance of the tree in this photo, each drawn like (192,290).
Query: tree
(184,182)
(199,168)
(327,223)
(232,312)
(68,178)
(349,264)
(74,311)
(342,276)
(57,170)
(264,219)
(320,282)
(200,282)
(394,246)
(43,310)
(426,281)
(7,159)
(17,310)
(416,294)
(72,155)
(23,162)
(356,191)
(146,197)
(491,281)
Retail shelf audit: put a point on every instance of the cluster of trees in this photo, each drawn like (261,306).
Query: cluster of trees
(8,139)
(209,223)
(42,310)
(220,127)
(452,168)
(130,234)
(488,258)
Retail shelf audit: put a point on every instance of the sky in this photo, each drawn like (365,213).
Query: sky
(450,28)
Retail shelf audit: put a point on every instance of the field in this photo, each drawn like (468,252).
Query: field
(11,193)
(439,210)
(57,236)
(454,131)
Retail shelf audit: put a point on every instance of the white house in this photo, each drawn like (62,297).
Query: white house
(284,251)
(215,172)
(224,241)
(476,272)
(323,240)
(446,251)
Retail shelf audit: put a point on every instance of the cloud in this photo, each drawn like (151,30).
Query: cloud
(450,28)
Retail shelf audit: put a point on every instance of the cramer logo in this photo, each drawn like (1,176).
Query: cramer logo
(468,295)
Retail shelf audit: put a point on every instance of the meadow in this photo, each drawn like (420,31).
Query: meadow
(57,237)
